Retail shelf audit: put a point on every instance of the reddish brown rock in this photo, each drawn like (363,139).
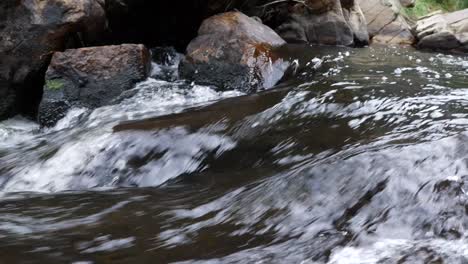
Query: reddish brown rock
(91,77)
(234,51)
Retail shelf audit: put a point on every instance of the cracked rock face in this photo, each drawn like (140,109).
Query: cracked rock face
(30,30)
(444,31)
(384,24)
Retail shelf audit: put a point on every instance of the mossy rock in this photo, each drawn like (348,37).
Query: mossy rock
(55,84)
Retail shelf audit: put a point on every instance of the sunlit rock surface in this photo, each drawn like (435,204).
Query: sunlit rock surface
(234,51)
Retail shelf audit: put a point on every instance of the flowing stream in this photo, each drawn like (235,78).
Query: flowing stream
(362,157)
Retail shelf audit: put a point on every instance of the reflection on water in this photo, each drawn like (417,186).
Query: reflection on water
(363,160)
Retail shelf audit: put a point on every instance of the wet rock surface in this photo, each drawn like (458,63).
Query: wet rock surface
(164,55)
(165,64)
(91,77)
(234,51)
(29,32)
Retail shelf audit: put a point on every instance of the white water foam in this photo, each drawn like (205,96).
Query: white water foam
(82,144)
(386,249)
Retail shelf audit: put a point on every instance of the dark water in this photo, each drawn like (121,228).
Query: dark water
(362,161)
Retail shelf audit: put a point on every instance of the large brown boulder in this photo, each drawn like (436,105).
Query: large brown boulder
(234,51)
(91,77)
(384,22)
(329,22)
(30,30)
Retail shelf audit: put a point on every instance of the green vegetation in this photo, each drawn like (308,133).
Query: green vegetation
(54,84)
(424,7)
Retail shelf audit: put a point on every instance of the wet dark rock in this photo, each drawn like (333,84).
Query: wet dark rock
(166,62)
(91,77)
(29,32)
(331,23)
(234,51)
(450,188)
(164,55)
(448,225)
(449,198)
(445,40)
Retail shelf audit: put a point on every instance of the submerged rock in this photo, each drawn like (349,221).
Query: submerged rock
(166,62)
(332,22)
(234,51)
(444,31)
(29,32)
(384,23)
(90,77)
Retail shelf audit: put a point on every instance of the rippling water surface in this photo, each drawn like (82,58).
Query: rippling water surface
(361,160)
